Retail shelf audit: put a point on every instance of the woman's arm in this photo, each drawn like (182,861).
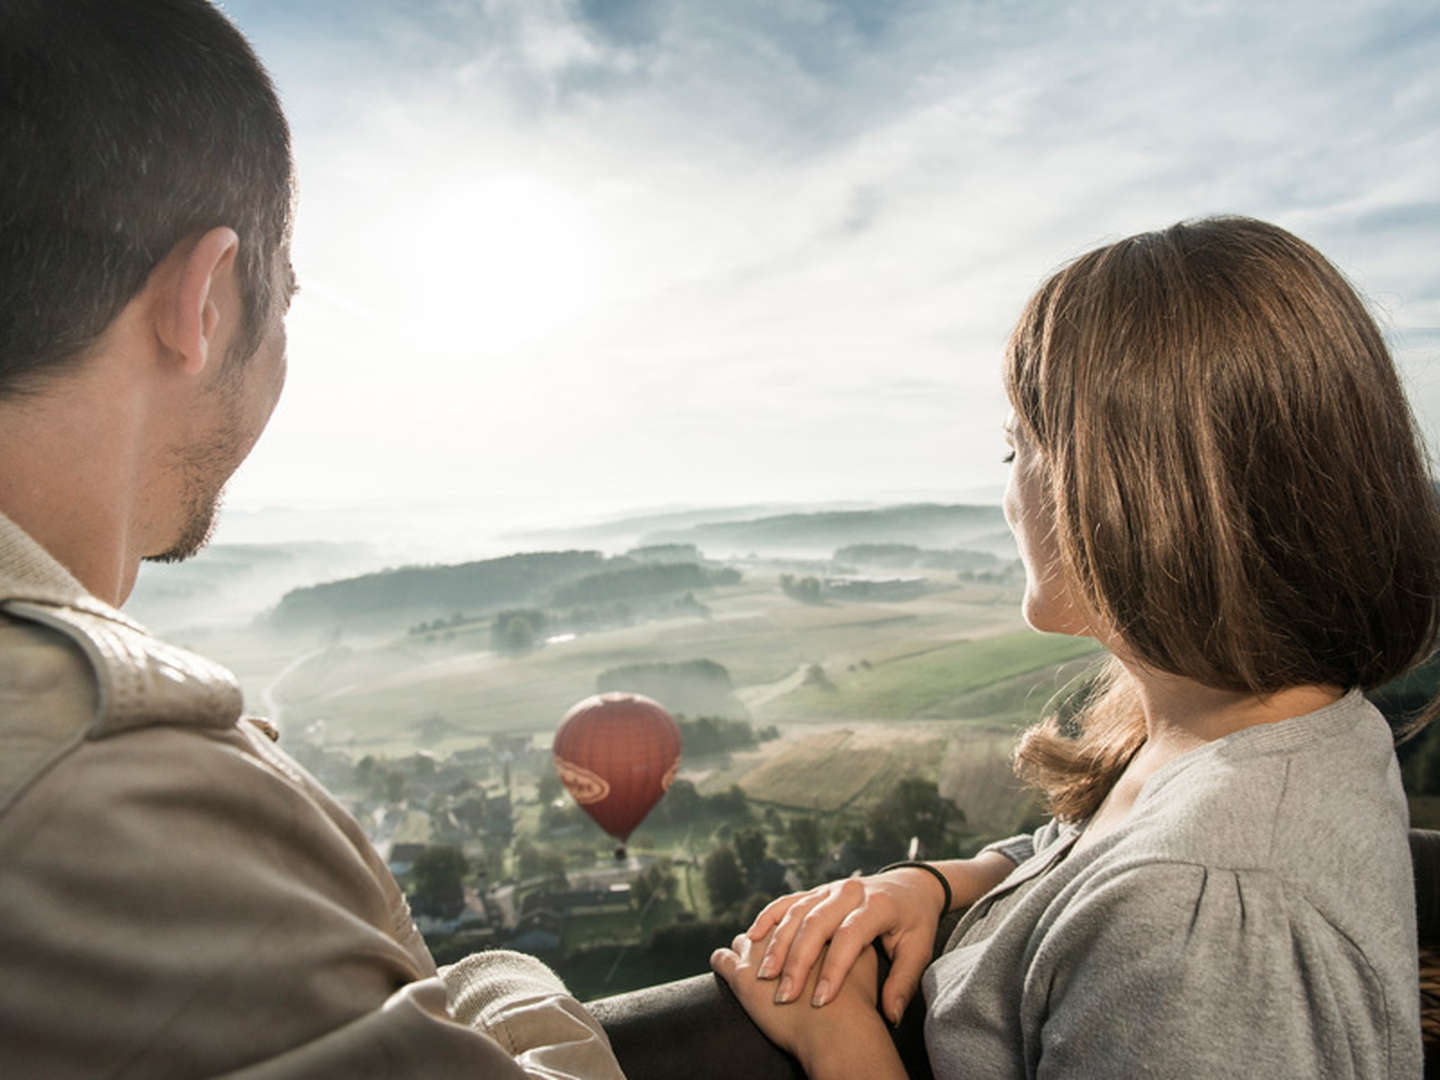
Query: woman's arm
(847,1039)
(900,907)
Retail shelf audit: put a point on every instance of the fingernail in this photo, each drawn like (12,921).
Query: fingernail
(896,1012)
(786,991)
(767,967)
(822,993)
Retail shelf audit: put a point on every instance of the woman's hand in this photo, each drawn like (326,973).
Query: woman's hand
(847,1039)
(901,907)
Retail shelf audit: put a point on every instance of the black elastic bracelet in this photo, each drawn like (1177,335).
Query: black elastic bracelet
(924,866)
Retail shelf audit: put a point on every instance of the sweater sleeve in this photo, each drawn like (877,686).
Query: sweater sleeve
(1026,846)
(1177,969)
(521,1004)
(1015,848)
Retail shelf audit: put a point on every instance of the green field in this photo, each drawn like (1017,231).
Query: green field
(941,682)
(392,697)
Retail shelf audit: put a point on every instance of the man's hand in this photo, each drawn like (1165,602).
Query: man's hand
(848,1038)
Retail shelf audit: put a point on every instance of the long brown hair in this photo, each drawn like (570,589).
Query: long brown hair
(1239,486)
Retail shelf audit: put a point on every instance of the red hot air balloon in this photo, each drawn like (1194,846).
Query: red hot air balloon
(617,754)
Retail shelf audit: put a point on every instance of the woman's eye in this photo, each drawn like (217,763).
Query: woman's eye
(1008,458)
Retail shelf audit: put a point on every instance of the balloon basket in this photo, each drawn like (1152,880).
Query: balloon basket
(620,853)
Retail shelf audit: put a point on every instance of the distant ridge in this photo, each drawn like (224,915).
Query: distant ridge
(393,594)
(635,525)
(927,525)
(234,582)
(570,577)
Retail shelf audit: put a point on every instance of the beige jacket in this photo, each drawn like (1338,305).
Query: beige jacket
(180,899)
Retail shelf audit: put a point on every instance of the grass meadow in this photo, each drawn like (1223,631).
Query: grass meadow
(927,659)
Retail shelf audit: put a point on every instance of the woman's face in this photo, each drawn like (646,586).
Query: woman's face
(1050,603)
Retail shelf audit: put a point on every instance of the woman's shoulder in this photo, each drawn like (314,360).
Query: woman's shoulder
(1305,824)
(1290,797)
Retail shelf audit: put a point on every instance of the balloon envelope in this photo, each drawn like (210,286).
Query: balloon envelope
(617,754)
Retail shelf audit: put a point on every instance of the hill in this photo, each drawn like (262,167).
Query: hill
(693,687)
(235,582)
(908,556)
(639,524)
(631,582)
(924,525)
(394,596)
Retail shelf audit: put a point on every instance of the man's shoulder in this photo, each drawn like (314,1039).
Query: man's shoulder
(71,676)
(140,679)
(206,805)
(199,868)
(68,675)
(50,698)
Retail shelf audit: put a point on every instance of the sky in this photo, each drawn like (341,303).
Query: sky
(565,257)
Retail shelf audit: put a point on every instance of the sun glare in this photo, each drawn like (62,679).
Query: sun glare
(499,264)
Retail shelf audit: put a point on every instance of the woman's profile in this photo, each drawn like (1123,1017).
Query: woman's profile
(1215,474)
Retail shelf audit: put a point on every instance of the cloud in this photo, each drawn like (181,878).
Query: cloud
(1398,216)
(757,223)
(626,22)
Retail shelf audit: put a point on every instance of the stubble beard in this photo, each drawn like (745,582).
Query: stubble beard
(201,517)
(202,473)
(203,470)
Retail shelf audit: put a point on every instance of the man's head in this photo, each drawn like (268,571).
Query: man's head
(134,134)
(127,125)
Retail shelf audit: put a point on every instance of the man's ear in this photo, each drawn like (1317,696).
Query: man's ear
(199,285)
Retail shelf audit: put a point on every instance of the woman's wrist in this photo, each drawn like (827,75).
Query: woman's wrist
(850,1046)
(972,878)
(934,872)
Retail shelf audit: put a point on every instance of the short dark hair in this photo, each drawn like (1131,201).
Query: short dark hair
(125,126)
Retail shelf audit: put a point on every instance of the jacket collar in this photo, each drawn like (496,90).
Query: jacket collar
(142,680)
(29,572)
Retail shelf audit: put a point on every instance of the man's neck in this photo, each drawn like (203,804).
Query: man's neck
(68,477)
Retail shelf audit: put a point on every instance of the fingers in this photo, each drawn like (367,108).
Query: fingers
(723,962)
(906,968)
(727,962)
(851,937)
(771,913)
(779,945)
(808,934)
(778,952)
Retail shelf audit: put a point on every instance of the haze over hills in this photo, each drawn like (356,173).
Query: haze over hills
(265,553)
(927,525)
(228,583)
(807,531)
(413,590)
(633,529)
(557,577)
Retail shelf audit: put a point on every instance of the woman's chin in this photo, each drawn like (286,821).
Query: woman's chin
(1045,615)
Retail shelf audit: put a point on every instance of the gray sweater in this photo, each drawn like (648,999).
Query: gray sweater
(1252,917)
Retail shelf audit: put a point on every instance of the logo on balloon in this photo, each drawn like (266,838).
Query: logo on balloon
(584,786)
